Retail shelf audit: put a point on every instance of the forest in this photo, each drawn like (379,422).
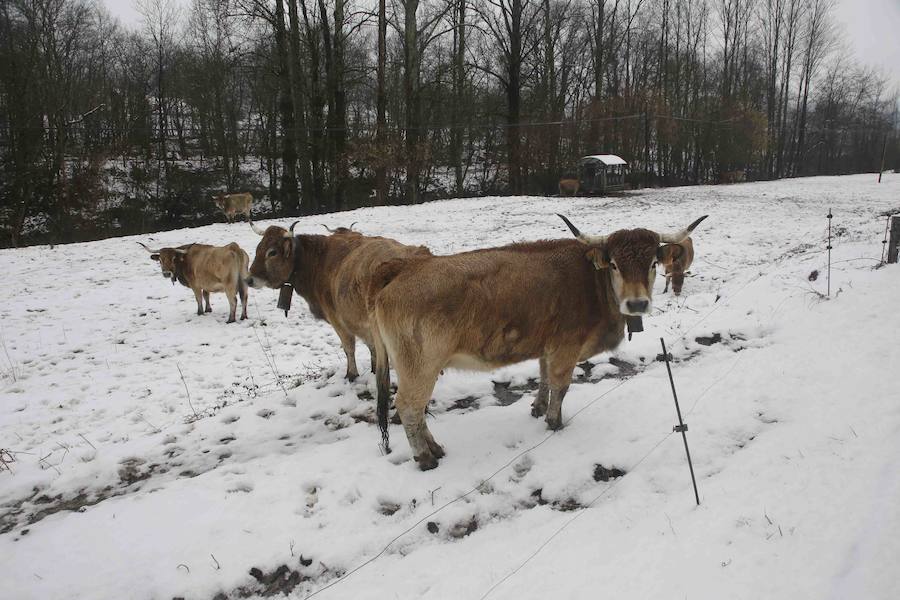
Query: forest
(326,105)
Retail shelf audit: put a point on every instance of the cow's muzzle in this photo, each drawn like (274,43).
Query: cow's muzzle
(256,282)
(635,307)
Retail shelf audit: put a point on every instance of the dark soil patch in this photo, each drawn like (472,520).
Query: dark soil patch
(569,504)
(282,580)
(507,394)
(464,528)
(50,505)
(626,369)
(602,473)
(709,340)
(465,403)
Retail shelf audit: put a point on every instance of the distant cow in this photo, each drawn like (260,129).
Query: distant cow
(332,273)
(234,204)
(568,187)
(679,262)
(560,301)
(736,176)
(207,269)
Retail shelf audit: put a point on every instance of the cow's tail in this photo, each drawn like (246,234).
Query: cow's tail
(381,277)
(243,272)
(383,384)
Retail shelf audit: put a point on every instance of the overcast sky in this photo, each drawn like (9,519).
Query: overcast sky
(872,29)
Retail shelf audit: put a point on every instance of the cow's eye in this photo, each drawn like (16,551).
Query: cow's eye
(613,266)
(272,252)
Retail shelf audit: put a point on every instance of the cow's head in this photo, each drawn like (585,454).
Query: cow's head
(630,256)
(274,261)
(219,200)
(341,230)
(170,260)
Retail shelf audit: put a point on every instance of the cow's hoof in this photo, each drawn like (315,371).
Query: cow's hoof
(243,317)
(426,461)
(554,423)
(208,309)
(352,376)
(538,410)
(436,449)
(231,320)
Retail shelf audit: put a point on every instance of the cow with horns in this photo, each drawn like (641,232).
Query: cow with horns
(682,258)
(332,273)
(207,269)
(560,301)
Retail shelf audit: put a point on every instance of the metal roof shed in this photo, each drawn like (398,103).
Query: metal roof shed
(601,173)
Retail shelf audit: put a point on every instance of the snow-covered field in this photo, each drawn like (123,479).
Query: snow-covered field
(158,454)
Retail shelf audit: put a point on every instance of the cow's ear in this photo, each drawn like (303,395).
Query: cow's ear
(668,253)
(155,257)
(598,257)
(288,247)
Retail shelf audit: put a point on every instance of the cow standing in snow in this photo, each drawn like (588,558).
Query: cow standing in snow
(332,273)
(679,261)
(207,269)
(234,204)
(560,301)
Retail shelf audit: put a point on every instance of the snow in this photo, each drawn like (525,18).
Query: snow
(159,454)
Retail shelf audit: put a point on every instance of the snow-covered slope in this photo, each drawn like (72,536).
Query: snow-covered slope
(159,454)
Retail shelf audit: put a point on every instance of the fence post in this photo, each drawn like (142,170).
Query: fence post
(894,243)
(830,216)
(681,427)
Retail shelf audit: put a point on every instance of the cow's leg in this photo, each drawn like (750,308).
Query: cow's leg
(198,294)
(668,277)
(559,370)
(539,406)
(206,300)
(232,304)
(348,343)
(243,289)
(413,394)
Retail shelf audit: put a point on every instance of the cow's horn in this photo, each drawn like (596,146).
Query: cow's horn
(327,228)
(352,224)
(680,236)
(180,251)
(151,251)
(585,239)
(290,232)
(256,229)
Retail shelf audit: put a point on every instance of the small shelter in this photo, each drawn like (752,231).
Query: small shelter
(601,173)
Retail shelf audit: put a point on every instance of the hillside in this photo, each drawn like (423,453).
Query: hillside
(158,454)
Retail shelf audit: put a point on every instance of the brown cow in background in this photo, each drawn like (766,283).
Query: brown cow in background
(207,269)
(679,262)
(560,301)
(332,273)
(234,204)
(568,186)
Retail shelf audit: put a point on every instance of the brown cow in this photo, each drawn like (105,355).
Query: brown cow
(568,187)
(331,273)
(737,176)
(560,301)
(234,204)
(207,269)
(679,262)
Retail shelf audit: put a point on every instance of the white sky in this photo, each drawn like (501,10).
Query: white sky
(872,29)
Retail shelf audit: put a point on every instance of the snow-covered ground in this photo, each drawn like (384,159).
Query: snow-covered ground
(158,454)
